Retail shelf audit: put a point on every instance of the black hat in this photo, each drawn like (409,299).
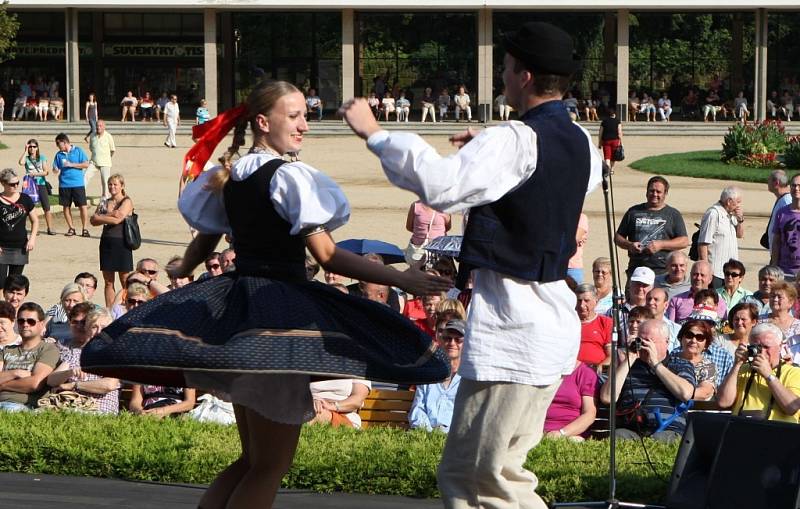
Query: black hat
(544,48)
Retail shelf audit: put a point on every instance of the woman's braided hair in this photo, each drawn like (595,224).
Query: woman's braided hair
(261,100)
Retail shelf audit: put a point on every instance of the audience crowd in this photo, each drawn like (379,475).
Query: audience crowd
(689,330)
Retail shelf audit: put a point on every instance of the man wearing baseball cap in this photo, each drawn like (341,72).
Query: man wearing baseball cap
(524,184)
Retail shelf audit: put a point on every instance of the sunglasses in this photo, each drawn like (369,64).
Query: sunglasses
(699,336)
(457,340)
(29,321)
(78,323)
(733,274)
(149,272)
(33,146)
(12,183)
(135,302)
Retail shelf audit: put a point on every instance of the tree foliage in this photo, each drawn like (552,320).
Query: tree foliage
(8,32)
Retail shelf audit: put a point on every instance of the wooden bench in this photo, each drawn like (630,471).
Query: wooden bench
(386,408)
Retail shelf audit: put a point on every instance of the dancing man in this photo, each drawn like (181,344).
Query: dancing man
(524,183)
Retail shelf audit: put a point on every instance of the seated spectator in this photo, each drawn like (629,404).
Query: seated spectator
(58,315)
(178,282)
(429,303)
(375,105)
(333,278)
(337,402)
(657,301)
(742,318)
(639,284)
(88,282)
(503,108)
(31,108)
(712,106)
(708,300)
(695,337)
(681,305)
(635,318)
(427,105)
(740,107)
(314,103)
(651,388)
(43,108)
(403,106)
(773,103)
(762,387)
(56,106)
(782,300)
(443,102)
(664,107)
(767,276)
(375,292)
(590,110)
(787,105)
(159,401)
(387,105)
(601,276)
(595,349)
(85,322)
(355,288)
(432,407)
(213,266)
(25,367)
(573,409)
(312,267)
(571,103)
(18,109)
(449,309)
(147,105)
(633,106)
(647,107)
(227,260)
(461,100)
(136,294)
(8,320)
(15,289)
(731,290)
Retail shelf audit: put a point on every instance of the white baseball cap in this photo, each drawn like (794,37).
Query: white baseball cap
(644,275)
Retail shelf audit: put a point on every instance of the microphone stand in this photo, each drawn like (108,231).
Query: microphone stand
(618,334)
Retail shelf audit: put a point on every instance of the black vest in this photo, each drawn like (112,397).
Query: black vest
(530,232)
(261,237)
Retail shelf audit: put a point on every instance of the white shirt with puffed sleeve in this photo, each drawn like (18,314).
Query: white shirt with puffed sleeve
(303,196)
(518,331)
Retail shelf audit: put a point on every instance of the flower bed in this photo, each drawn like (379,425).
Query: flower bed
(761,145)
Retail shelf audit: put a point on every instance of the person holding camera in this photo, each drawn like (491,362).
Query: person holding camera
(761,385)
(651,387)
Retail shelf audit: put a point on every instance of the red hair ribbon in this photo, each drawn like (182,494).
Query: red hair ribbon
(208,136)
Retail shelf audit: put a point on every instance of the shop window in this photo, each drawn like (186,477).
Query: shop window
(162,24)
(192,24)
(47,25)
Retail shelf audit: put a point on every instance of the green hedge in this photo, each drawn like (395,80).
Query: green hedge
(376,460)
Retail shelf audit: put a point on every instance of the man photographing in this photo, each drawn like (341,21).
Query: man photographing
(523,332)
(760,385)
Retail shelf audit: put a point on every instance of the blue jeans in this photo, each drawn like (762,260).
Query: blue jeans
(576,274)
(12,406)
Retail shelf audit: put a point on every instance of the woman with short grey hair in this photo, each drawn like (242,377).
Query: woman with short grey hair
(15,242)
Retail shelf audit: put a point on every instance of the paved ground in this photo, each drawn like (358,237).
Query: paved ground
(18,491)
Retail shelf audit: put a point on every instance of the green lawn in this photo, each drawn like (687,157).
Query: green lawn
(703,164)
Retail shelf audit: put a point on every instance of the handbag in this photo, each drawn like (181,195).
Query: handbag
(131,235)
(413,252)
(68,400)
(619,153)
(29,187)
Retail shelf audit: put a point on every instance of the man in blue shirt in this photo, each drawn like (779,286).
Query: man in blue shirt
(69,164)
(432,407)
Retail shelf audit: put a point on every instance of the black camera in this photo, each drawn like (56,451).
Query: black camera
(752,352)
(635,345)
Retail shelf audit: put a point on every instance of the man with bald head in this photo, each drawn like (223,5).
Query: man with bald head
(676,279)
(763,386)
(681,305)
(651,386)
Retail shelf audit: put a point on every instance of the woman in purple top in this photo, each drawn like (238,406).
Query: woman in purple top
(573,409)
(786,233)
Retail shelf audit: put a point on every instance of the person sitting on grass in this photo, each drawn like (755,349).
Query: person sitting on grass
(159,401)
(574,408)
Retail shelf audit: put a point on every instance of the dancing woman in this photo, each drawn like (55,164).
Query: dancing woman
(261,332)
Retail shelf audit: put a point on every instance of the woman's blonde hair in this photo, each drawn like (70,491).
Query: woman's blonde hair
(261,100)
(138,289)
(95,315)
(70,289)
(119,178)
(451,307)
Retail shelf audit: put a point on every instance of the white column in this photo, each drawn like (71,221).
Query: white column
(72,97)
(485,65)
(348,54)
(623,54)
(760,93)
(210,59)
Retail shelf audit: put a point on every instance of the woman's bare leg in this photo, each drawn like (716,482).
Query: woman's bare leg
(218,493)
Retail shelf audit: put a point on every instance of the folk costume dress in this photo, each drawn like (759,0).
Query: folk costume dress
(263,332)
